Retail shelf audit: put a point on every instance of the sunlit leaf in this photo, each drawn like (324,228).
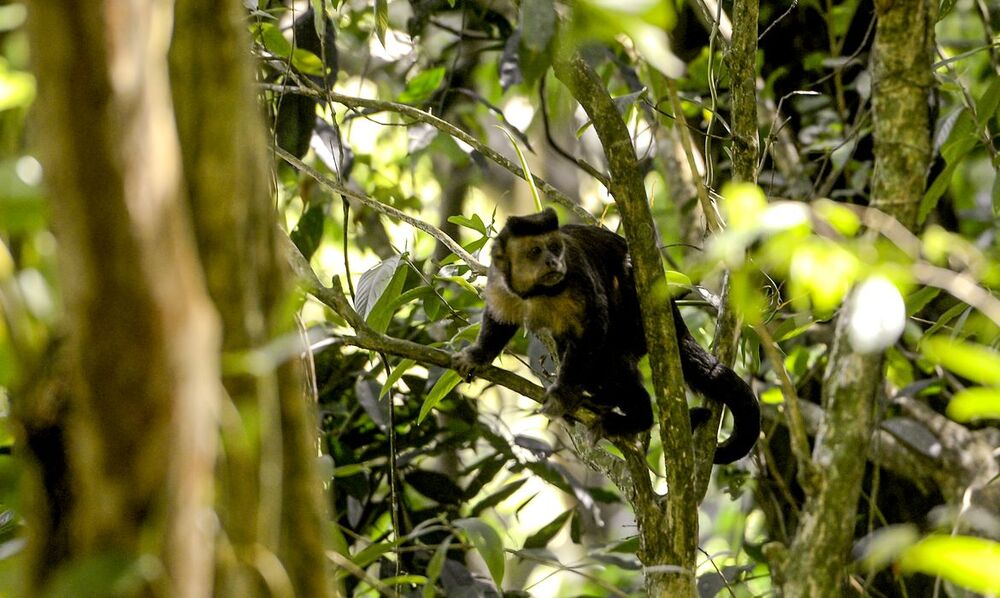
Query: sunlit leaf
(17,89)
(475,222)
(824,271)
(488,543)
(981,402)
(397,373)
(972,563)
(381,20)
(838,216)
(772,396)
(542,537)
(442,387)
(743,204)
(975,362)
(423,86)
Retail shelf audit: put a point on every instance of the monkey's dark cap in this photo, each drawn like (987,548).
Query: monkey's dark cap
(543,222)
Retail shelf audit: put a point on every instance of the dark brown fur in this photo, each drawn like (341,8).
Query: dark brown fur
(575,283)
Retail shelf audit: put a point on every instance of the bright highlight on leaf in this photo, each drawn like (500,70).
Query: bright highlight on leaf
(877,315)
(975,362)
(744,205)
(823,271)
(972,563)
(975,403)
(772,396)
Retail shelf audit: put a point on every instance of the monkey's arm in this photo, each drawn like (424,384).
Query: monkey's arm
(493,337)
(707,376)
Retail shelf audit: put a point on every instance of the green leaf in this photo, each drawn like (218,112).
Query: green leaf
(488,544)
(919,299)
(435,566)
(986,107)
(423,86)
(953,312)
(472,247)
(972,563)
(319,12)
(475,223)
(443,386)
(971,404)
(397,373)
(542,537)
(497,497)
(460,281)
(524,166)
(381,19)
(273,40)
(935,191)
(972,361)
(307,63)
(772,396)
(377,290)
(308,231)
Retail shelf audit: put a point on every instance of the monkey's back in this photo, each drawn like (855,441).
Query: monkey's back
(607,258)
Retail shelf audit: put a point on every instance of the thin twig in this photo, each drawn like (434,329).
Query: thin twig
(375,204)
(445,127)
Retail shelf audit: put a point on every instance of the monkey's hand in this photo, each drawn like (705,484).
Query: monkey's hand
(560,400)
(468,362)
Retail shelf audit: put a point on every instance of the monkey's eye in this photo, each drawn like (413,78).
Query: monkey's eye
(534,252)
(555,247)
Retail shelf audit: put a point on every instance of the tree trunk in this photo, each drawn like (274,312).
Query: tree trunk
(270,504)
(141,352)
(902,77)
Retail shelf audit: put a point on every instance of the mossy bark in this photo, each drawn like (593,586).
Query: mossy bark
(140,369)
(902,59)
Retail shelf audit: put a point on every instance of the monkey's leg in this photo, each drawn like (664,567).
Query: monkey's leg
(625,404)
(493,337)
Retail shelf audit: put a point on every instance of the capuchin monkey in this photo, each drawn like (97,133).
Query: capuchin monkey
(576,283)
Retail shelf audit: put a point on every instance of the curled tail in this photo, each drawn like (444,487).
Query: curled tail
(707,376)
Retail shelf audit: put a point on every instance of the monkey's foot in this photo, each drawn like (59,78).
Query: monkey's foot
(560,401)
(467,363)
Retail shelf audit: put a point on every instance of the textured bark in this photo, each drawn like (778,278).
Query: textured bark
(270,502)
(901,72)
(902,79)
(141,357)
(668,530)
(741,56)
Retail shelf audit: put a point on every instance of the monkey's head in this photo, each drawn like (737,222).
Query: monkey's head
(530,254)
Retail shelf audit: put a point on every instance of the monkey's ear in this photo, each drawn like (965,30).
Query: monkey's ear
(550,218)
(543,222)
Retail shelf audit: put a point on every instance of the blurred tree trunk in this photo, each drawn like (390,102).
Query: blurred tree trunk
(154,223)
(902,59)
(137,379)
(270,504)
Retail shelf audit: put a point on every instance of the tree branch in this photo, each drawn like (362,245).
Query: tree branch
(375,204)
(445,127)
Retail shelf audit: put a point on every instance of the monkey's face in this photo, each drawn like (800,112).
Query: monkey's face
(532,263)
